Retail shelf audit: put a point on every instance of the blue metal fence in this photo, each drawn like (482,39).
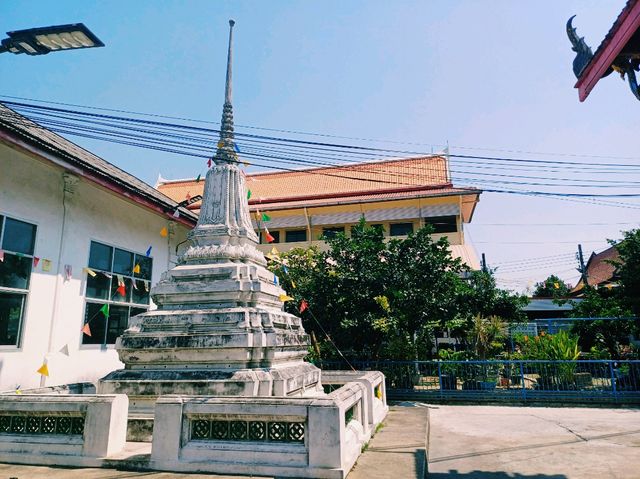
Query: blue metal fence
(509,381)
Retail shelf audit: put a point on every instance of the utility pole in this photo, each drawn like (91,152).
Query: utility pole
(582,269)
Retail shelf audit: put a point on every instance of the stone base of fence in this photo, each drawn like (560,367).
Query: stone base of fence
(69,430)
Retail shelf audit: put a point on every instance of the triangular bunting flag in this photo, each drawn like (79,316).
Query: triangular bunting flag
(270,239)
(90,272)
(36,260)
(198,178)
(1,255)
(148,252)
(176,214)
(293,284)
(44,370)
(209,163)
(86,329)
(220,144)
(121,291)
(303,305)
(248,194)
(188,197)
(136,268)
(46,265)
(235,147)
(266,217)
(285,269)
(64,349)
(108,275)
(164,232)
(104,310)
(284,297)
(275,279)
(274,251)
(146,286)
(133,284)
(68,272)
(18,391)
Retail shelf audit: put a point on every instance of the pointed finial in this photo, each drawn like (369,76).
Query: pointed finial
(227,91)
(226,148)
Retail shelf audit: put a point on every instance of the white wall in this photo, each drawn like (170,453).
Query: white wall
(32,191)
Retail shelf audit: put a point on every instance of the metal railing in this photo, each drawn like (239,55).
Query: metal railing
(586,381)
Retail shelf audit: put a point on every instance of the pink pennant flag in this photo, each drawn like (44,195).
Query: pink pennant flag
(1,255)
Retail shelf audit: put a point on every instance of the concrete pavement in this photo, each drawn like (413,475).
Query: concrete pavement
(494,442)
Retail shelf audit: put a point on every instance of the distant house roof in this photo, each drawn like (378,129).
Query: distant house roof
(600,271)
(623,38)
(403,178)
(546,304)
(21,133)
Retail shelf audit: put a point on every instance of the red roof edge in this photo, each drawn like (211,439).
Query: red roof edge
(104,182)
(624,28)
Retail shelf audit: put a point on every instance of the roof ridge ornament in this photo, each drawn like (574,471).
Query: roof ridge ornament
(578,45)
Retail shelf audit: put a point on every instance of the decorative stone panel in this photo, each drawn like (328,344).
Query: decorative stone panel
(220,429)
(40,424)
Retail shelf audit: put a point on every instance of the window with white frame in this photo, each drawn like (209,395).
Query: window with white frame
(17,243)
(118,283)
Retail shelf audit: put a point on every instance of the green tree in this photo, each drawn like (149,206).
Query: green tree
(601,333)
(628,270)
(552,287)
(384,299)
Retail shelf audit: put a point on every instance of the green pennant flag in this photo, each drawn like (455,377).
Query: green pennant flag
(105,310)
(198,179)
(266,217)
(248,194)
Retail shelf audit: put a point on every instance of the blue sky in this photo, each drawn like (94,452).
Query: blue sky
(494,75)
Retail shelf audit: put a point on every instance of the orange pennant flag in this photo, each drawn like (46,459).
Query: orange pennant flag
(269,238)
(164,232)
(44,370)
(136,268)
(303,305)
(86,330)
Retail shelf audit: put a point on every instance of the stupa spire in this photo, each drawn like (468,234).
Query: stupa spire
(226,149)
(224,230)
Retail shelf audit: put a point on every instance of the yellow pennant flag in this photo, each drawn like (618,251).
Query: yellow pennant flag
(274,251)
(284,297)
(44,370)
(164,232)
(90,272)
(136,268)
(293,284)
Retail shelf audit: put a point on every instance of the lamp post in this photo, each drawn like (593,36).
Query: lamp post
(40,41)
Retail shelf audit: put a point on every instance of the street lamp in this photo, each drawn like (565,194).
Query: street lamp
(40,41)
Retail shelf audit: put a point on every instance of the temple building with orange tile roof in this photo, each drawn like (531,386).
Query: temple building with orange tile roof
(400,195)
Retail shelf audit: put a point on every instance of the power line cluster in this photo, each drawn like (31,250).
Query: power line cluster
(593,182)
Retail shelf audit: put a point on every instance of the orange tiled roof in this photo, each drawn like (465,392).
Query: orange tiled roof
(407,177)
(599,269)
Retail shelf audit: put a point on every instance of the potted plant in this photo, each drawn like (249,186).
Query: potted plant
(449,371)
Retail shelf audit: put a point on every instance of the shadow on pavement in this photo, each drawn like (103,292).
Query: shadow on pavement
(453,474)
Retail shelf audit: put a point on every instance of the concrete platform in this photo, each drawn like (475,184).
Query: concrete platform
(464,442)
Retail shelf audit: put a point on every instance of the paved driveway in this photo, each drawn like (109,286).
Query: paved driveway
(495,442)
